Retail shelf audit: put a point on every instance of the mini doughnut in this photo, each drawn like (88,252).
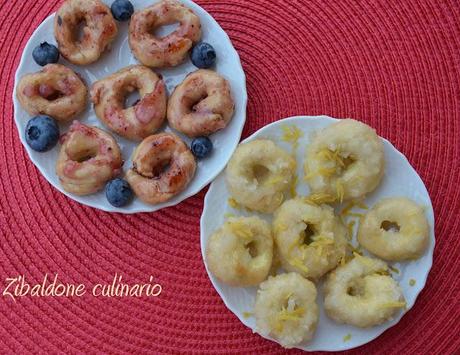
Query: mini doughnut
(395,229)
(361,294)
(258,174)
(286,309)
(89,157)
(142,119)
(240,253)
(98,32)
(55,91)
(163,166)
(309,239)
(345,160)
(172,49)
(201,105)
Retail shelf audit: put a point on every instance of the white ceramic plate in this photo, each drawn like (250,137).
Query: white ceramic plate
(120,56)
(400,179)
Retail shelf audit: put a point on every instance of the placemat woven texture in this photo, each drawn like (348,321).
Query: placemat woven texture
(392,64)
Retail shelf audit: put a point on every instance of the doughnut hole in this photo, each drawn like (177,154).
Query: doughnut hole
(83,155)
(49,92)
(390,226)
(260,173)
(80,149)
(341,161)
(356,288)
(79,29)
(154,167)
(309,233)
(132,97)
(195,107)
(193,99)
(164,30)
(161,167)
(252,248)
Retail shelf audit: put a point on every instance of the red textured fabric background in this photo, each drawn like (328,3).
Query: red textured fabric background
(393,64)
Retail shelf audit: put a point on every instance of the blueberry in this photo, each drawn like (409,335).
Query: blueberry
(201,147)
(42,133)
(203,55)
(118,192)
(122,10)
(45,54)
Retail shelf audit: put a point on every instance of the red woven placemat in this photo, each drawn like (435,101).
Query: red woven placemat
(393,64)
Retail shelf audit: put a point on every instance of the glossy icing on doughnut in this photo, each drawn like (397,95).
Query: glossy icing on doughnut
(99,30)
(172,49)
(201,105)
(163,166)
(89,157)
(56,91)
(142,119)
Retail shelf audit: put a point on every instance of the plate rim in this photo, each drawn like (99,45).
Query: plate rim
(430,250)
(151,208)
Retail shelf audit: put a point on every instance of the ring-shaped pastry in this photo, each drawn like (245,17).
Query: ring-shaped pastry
(55,91)
(98,32)
(163,166)
(240,253)
(172,49)
(345,160)
(310,239)
(89,157)
(395,229)
(136,122)
(286,309)
(361,293)
(201,105)
(259,173)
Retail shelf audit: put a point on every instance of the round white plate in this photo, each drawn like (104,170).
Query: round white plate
(120,56)
(400,180)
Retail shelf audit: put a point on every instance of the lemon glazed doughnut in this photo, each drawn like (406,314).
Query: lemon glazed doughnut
(98,32)
(345,160)
(361,293)
(395,229)
(172,49)
(201,105)
(89,157)
(56,91)
(310,239)
(286,309)
(142,119)
(258,174)
(240,253)
(163,166)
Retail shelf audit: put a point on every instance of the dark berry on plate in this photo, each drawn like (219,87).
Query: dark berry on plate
(122,10)
(201,147)
(118,192)
(42,133)
(45,54)
(203,55)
